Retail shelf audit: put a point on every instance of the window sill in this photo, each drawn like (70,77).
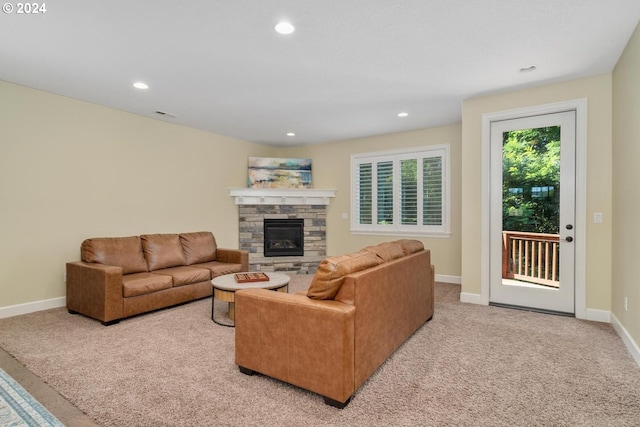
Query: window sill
(397,233)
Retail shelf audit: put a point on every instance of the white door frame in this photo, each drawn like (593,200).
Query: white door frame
(561,299)
(580,107)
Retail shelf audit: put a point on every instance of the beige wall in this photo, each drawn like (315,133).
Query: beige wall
(597,91)
(331,169)
(71,170)
(626,192)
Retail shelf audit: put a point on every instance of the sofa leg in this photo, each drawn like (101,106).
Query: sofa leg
(73,312)
(429,319)
(111,322)
(335,403)
(245,371)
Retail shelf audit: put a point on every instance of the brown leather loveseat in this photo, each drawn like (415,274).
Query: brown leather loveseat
(358,310)
(119,277)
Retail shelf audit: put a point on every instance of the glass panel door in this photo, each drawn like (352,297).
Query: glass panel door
(532,212)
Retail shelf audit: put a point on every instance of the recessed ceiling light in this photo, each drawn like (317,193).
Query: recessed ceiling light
(291,134)
(140,85)
(527,69)
(403,114)
(284,28)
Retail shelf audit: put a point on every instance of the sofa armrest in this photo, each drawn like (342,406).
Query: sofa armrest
(95,290)
(307,343)
(233,256)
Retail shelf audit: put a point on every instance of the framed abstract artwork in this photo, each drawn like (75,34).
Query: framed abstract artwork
(276,172)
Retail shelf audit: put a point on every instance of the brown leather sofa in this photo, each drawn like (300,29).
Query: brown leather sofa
(330,339)
(119,277)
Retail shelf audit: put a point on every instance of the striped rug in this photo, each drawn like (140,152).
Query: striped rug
(19,409)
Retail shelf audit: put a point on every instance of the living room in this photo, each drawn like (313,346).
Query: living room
(71,170)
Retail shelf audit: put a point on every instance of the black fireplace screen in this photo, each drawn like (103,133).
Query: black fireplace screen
(283,237)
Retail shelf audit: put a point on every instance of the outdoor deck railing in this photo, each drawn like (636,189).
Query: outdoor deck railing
(531,257)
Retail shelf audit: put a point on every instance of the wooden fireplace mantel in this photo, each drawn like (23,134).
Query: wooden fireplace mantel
(281,196)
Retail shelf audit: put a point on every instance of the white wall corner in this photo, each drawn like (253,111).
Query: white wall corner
(631,345)
(32,307)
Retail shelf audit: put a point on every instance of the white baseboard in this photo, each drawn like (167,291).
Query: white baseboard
(471,298)
(31,307)
(448,279)
(632,346)
(598,315)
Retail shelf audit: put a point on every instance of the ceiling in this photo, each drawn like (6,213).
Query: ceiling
(346,72)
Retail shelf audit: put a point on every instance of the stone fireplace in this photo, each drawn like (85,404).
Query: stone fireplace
(306,207)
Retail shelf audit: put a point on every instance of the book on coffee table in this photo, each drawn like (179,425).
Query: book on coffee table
(251,277)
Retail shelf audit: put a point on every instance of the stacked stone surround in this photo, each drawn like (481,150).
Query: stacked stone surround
(251,230)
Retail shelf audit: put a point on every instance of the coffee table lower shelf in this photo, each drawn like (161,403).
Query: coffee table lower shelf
(225,287)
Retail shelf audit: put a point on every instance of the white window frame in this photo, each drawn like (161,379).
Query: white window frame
(443,230)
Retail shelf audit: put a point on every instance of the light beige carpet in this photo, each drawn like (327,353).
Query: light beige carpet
(471,365)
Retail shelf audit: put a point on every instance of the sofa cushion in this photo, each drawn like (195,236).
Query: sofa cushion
(386,251)
(198,247)
(162,251)
(124,252)
(332,271)
(144,283)
(185,275)
(410,246)
(220,268)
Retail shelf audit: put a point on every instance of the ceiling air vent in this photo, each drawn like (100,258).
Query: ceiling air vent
(164,113)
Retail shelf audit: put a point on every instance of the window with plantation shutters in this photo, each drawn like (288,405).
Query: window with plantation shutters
(432,191)
(384,193)
(402,192)
(364,190)
(409,192)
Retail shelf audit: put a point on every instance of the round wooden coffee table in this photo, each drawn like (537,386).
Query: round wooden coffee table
(225,287)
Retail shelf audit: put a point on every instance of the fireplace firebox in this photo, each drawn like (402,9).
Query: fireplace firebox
(283,237)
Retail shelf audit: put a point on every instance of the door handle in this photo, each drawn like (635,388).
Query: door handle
(569,239)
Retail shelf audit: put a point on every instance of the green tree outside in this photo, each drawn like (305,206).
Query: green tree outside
(531,180)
